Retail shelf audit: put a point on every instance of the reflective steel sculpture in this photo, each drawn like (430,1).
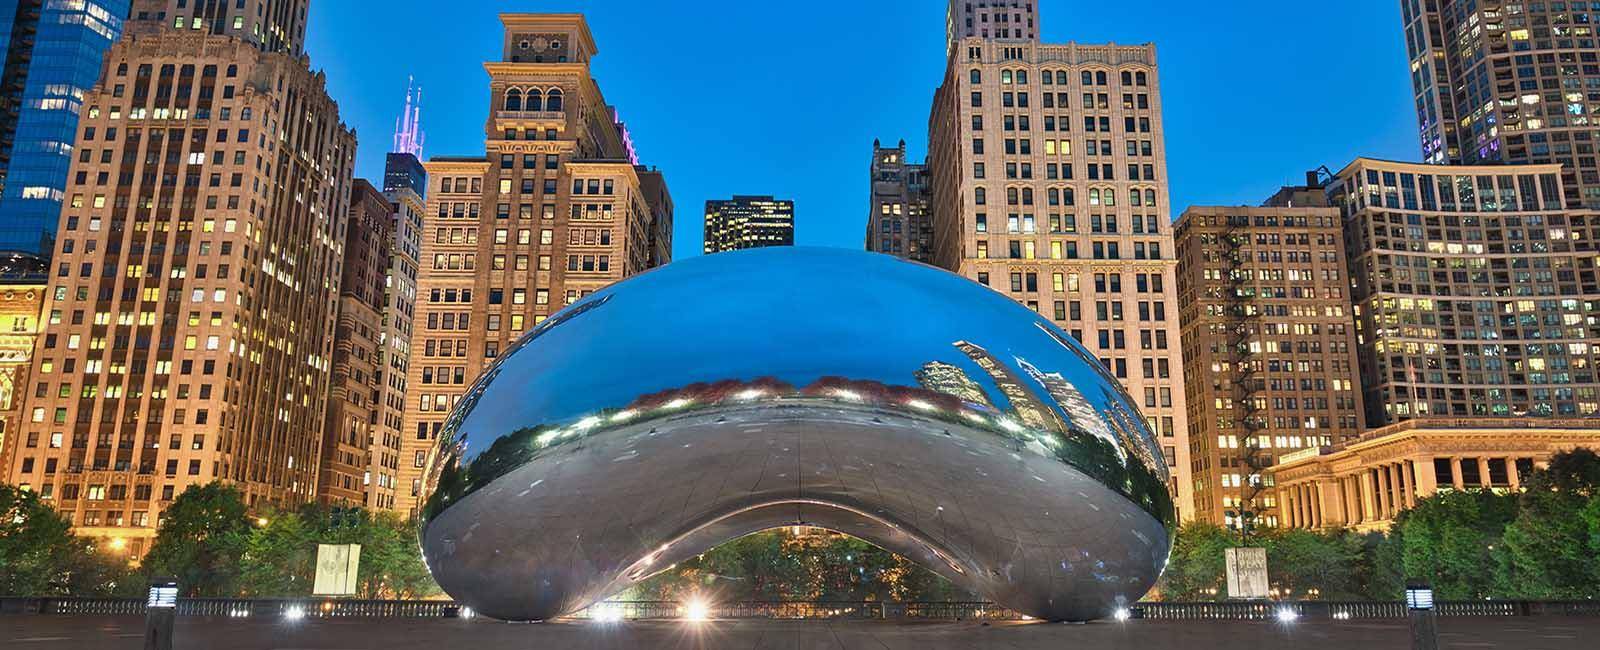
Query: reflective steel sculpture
(724,395)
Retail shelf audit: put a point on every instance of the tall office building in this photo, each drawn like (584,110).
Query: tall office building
(1268,348)
(748,222)
(1474,290)
(1048,175)
(195,283)
(1000,20)
(552,211)
(53,51)
(359,457)
(405,182)
(897,219)
(21,299)
(1508,82)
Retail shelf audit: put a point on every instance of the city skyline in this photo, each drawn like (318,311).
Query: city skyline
(1360,107)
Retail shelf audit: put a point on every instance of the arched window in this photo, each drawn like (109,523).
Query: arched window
(1109,196)
(979,196)
(1140,79)
(1094,194)
(1053,196)
(1061,77)
(1005,77)
(1022,76)
(1011,196)
(976,76)
(1127,78)
(535,100)
(1150,198)
(1066,196)
(513,100)
(553,100)
(1046,78)
(1134,198)
(1100,78)
(1027,196)
(1088,78)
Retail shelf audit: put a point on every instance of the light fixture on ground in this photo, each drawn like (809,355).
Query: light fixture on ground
(951,395)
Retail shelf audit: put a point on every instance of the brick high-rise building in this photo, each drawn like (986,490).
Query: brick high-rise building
(1508,82)
(748,222)
(553,210)
(897,219)
(360,457)
(1268,347)
(51,53)
(1474,291)
(1048,171)
(195,278)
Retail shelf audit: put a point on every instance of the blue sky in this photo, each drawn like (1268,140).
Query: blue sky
(786,97)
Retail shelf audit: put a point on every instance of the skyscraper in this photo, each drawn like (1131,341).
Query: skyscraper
(1474,291)
(1507,83)
(748,222)
(53,52)
(193,301)
(1268,347)
(897,219)
(1065,207)
(405,182)
(553,210)
(359,457)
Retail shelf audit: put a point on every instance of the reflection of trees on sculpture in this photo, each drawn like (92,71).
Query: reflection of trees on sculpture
(776,565)
(1090,454)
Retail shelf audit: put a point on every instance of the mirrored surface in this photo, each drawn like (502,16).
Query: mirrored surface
(727,394)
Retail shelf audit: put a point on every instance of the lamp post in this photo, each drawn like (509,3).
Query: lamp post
(160,612)
(1423,618)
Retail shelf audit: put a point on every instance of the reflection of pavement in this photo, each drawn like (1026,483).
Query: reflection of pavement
(95,633)
(1019,527)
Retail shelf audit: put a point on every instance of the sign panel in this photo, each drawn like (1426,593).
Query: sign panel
(336,569)
(1247,573)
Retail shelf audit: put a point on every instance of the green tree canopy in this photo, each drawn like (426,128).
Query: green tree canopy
(202,537)
(39,556)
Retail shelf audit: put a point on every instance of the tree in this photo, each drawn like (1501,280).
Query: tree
(1309,564)
(279,558)
(1549,552)
(39,556)
(1450,538)
(1196,569)
(34,541)
(202,537)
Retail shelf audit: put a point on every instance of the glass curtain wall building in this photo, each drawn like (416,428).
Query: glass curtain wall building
(53,50)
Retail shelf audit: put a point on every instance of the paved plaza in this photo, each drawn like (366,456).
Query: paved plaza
(118,633)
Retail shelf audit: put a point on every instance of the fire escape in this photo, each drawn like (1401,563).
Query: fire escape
(1242,316)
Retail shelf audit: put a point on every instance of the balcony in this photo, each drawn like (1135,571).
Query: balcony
(531,116)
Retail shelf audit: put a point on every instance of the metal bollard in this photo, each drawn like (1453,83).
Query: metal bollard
(160,613)
(1423,618)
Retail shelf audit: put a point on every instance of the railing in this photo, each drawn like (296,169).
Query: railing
(863,610)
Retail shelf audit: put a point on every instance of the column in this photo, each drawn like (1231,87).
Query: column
(1455,473)
(1316,505)
(1427,478)
(1483,471)
(1384,507)
(1408,490)
(1511,473)
(1369,502)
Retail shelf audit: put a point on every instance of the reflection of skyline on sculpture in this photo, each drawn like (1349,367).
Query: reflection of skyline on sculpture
(814,405)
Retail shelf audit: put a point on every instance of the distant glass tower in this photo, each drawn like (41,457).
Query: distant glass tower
(52,57)
(748,222)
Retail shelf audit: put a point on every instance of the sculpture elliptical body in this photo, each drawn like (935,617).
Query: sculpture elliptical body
(729,394)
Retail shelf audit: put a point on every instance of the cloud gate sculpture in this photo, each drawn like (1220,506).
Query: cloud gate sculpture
(724,395)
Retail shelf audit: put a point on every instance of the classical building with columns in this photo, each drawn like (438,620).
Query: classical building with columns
(1364,484)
